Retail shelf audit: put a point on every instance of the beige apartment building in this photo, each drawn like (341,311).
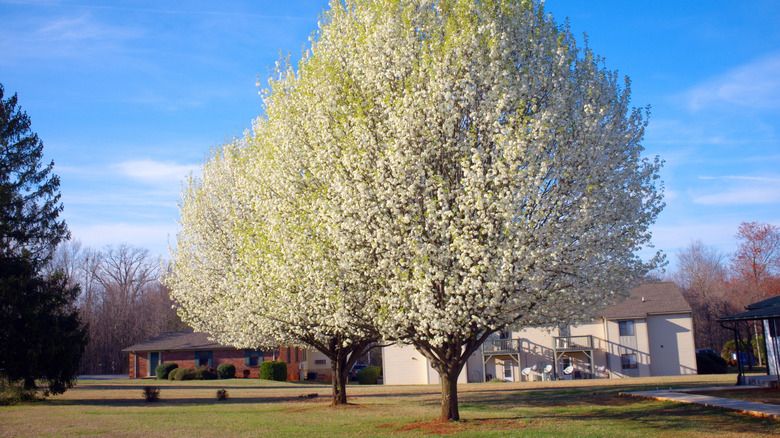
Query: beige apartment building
(650,333)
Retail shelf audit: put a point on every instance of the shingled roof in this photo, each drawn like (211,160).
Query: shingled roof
(185,340)
(766,309)
(649,299)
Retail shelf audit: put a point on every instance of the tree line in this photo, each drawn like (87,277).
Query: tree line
(718,284)
(121,300)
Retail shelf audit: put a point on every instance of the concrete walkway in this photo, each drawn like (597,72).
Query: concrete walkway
(683,396)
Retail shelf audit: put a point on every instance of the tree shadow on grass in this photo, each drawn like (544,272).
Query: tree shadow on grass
(185,401)
(668,418)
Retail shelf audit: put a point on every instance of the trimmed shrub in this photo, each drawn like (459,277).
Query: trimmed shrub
(226,371)
(708,363)
(151,393)
(273,370)
(369,375)
(164,369)
(222,394)
(183,374)
(205,373)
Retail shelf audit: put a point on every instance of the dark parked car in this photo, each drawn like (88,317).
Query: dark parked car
(355,368)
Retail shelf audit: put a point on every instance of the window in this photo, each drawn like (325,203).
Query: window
(288,355)
(203,358)
(628,361)
(252,358)
(154,360)
(319,362)
(626,328)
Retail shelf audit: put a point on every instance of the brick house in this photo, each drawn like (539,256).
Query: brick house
(191,350)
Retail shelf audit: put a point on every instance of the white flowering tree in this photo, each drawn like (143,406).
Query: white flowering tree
(252,269)
(479,166)
(441,169)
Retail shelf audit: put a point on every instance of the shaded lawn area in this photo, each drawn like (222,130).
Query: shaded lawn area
(762,395)
(255,407)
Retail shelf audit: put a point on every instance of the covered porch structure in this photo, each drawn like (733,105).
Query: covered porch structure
(567,348)
(768,312)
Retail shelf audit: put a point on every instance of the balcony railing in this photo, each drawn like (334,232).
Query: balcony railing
(501,346)
(573,343)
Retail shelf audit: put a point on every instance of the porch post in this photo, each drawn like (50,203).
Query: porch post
(740,377)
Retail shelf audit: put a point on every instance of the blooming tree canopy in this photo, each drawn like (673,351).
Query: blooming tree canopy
(435,169)
(251,267)
(489,168)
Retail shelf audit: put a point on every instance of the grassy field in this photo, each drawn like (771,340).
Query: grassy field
(262,408)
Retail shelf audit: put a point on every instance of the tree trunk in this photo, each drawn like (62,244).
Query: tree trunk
(341,361)
(449,396)
(29,383)
(339,366)
(338,382)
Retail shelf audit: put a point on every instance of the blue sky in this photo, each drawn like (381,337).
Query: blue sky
(129,97)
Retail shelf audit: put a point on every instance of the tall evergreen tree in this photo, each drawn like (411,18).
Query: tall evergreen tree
(41,334)
(29,192)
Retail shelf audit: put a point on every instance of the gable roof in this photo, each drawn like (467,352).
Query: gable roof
(649,299)
(184,340)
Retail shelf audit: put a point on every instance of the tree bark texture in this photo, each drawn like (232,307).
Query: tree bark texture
(449,397)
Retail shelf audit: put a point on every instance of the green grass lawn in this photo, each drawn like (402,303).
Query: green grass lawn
(262,408)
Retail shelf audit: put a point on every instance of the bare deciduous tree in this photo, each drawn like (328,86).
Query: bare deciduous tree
(702,277)
(121,300)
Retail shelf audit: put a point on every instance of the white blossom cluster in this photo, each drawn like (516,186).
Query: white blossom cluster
(436,170)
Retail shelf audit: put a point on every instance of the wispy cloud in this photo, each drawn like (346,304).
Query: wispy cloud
(153,236)
(752,196)
(743,178)
(755,85)
(154,172)
(742,190)
(64,36)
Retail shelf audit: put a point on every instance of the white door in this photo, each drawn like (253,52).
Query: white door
(509,375)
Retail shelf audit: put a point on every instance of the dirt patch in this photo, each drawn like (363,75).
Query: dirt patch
(440,427)
(435,427)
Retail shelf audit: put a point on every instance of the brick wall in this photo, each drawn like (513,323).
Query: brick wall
(143,365)
(186,359)
(132,365)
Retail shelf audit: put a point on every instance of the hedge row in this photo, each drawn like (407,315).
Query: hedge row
(275,370)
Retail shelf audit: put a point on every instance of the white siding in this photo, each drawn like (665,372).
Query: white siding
(474,372)
(403,365)
(322,368)
(671,345)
